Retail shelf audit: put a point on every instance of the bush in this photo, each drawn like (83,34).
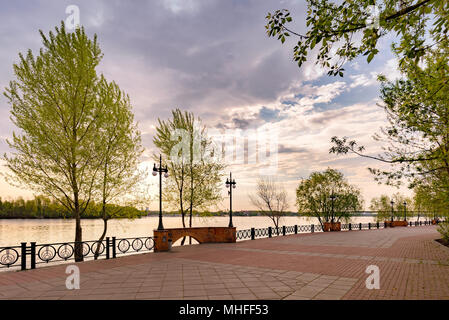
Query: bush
(444,230)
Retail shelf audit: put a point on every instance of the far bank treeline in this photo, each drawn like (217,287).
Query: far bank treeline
(45,208)
(42,207)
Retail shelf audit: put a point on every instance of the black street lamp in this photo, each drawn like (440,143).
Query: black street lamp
(392,216)
(231,185)
(160,170)
(405,211)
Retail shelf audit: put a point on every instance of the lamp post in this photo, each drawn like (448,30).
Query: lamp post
(231,185)
(392,217)
(160,170)
(405,211)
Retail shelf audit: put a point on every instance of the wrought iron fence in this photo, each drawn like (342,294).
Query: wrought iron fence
(255,233)
(28,256)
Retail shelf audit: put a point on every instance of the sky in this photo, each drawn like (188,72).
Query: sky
(213,58)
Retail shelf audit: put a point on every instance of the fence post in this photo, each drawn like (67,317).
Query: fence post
(33,255)
(360,226)
(296,229)
(385,224)
(369,225)
(113,248)
(350,227)
(269,232)
(107,248)
(377,224)
(312,228)
(283,230)
(253,234)
(23,255)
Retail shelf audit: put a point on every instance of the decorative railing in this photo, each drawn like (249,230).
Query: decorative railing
(256,233)
(27,256)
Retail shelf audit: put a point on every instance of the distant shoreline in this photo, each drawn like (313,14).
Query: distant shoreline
(165,215)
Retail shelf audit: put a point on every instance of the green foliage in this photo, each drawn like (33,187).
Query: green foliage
(313,197)
(119,149)
(416,140)
(443,229)
(55,105)
(384,210)
(429,200)
(76,140)
(195,179)
(47,208)
(342,30)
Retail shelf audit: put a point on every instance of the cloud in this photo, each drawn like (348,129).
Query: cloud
(214,58)
(283,149)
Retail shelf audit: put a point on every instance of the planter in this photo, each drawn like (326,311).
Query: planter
(329,226)
(392,224)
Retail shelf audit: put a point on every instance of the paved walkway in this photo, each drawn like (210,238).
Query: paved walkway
(307,266)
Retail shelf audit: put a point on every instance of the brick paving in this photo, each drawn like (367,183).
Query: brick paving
(307,266)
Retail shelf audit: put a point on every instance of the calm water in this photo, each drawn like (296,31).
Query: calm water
(15,231)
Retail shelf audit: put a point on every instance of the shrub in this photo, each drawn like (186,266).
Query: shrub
(444,230)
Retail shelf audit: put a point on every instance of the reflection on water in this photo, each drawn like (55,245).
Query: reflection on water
(15,231)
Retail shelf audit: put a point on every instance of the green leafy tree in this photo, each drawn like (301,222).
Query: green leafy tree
(195,176)
(431,203)
(382,205)
(340,31)
(57,107)
(314,197)
(415,142)
(119,178)
(443,229)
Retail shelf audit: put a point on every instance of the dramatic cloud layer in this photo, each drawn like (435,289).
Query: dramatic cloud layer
(213,58)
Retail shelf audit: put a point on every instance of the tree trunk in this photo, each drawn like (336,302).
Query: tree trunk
(78,237)
(183,225)
(191,194)
(190,226)
(100,241)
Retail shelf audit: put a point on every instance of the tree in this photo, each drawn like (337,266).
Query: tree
(271,199)
(382,205)
(416,144)
(195,175)
(429,201)
(314,197)
(347,29)
(119,177)
(57,107)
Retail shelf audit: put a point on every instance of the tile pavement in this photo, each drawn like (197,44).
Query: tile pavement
(297,267)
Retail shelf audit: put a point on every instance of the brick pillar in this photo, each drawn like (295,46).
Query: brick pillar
(160,238)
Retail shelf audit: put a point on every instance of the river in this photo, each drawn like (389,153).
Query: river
(15,231)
